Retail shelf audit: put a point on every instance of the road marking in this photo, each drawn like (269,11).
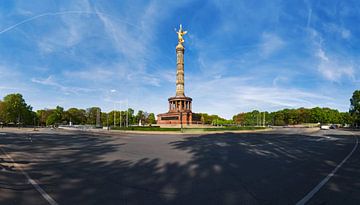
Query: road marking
(308,196)
(31,181)
(326,138)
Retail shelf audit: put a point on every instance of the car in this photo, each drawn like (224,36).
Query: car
(325,127)
(333,127)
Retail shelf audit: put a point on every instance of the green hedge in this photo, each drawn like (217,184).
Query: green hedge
(232,128)
(157,128)
(153,128)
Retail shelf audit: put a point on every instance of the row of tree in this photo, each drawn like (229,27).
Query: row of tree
(293,117)
(303,115)
(14,110)
(93,116)
(205,118)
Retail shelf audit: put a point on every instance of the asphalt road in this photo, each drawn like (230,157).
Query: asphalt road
(274,167)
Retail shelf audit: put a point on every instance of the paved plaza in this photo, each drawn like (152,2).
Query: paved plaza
(272,167)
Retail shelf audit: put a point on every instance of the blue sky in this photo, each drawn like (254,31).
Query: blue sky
(240,55)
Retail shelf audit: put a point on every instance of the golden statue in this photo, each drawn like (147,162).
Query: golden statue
(180,33)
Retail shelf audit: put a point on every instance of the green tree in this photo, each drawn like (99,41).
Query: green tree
(2,112)
(56,116)
(93,114)
(239,118)
(42,115)
(355,107)
(316,115)
(16,110)
(346,118)
(279,118)
(140,116)
(294,116)
(131,116)
(53,119)
(104,119)
(75,115)
(151,118)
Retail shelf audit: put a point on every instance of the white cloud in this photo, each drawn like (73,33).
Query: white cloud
(130,43)
(339,30)
(232,95)
(2,88)
(214,67)
(7,72)
(321,54)
(331,66)
(309,18)
(334,68)
(233,45)
(91,74)
(23,12)
(50,81)
(168,75)
(279,79)
(345,34)
(271,43)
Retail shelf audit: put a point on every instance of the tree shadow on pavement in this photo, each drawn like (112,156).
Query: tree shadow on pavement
(252,168)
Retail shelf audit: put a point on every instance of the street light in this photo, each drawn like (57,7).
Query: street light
(34,124)
(120,115)
(181,123)
(114,116)
(113,91)
(127,113)
(107,121)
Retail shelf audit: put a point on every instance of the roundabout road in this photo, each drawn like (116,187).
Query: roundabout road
(283,166)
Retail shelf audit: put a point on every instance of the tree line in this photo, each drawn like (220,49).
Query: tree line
(15,111)
(207,119)
(303,115)
(293,117)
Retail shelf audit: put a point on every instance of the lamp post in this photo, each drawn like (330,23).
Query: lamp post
(18,121)
(127,113)
(114,116)
(34,124)
(181,123)
(120,116)
(113,91)
(107,121)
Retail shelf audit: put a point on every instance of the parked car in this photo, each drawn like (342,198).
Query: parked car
(325,127)
(333,127)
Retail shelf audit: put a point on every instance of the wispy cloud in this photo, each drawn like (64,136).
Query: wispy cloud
(50,81)
(243,57)
(131,46)
(271,43)
(94,74)
(309,18)
(332,68)
(240,94)
(339,30)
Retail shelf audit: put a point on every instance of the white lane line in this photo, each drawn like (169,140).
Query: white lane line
(308,196)
(326,138)
(31,181)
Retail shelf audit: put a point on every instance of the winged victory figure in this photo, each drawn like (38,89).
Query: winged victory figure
(180,33)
